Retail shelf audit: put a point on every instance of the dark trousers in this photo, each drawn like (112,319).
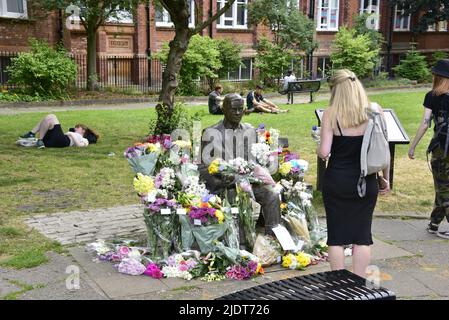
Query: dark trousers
(270,214)
(290,97)
(440,172)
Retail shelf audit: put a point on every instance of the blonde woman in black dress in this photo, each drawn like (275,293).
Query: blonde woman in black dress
(348,216)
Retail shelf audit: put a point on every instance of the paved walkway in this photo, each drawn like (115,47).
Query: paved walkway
(109,223)
(413,264)
(278,99)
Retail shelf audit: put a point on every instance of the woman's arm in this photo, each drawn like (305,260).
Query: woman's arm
(327,135)
(425,123)
(77,139)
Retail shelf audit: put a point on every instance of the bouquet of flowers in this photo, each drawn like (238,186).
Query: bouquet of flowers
(162,227)
(262,153)
(178,267)
(143,157)
(247,270)
(293,169)
(269,137)
(180,152)
(297,261)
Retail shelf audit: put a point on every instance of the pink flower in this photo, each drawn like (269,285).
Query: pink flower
(124,251)
(153,271)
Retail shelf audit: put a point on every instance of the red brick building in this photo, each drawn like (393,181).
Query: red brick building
(131,38)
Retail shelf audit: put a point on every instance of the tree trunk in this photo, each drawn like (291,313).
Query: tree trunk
(178,46)
(92,79)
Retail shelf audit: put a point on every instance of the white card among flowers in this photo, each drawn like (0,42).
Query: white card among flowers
(284,238)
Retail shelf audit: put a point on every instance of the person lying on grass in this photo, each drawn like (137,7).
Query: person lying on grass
(52,136)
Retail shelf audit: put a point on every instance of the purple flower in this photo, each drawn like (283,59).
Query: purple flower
(291,156)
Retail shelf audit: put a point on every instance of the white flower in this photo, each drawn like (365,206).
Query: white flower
(262,153)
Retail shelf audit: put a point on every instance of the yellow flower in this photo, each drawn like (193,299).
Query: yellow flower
(152,147)
(283,206)
(259,268)
(220,216)
(303,259)
(143,184)
(214,167)
(287,260)
(285,168)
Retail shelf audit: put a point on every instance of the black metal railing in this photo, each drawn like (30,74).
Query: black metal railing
(132,73)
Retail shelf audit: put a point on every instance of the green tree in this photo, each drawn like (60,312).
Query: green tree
(223,55)
(433,11)
(437,56)
(354,52)
(91,14)
(272,60)
(43,70)
(413,67)
(229,56)
(290,27)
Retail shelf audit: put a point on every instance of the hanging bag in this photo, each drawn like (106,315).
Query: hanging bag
(375,152)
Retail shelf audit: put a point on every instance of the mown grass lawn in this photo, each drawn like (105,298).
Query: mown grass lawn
(50,180)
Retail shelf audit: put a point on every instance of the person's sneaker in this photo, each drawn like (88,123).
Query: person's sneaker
(28,135)
(432,228)
(40,144)
(444,235)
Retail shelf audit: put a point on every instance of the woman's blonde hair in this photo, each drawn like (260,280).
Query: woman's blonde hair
(440,85)
(349,101)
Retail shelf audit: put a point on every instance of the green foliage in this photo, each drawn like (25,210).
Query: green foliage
(437,56)
(291,28)
(205,58)
(201,60)
(44,71)
(353,52)
(272,60)
(167,121)
(413,67)
(229,55)
(360,28)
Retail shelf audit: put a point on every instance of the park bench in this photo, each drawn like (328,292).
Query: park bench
(302,86)
(331,285)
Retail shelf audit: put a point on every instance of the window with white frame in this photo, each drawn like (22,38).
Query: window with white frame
(163,17)
(371,7)
(235,17)
(442,26)
(328,13)
(243,72)
(13,8)
(401,21)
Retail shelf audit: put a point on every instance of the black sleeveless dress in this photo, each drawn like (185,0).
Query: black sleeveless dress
(348,216)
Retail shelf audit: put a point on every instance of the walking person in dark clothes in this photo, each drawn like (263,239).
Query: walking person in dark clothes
(436,107)
(348,215)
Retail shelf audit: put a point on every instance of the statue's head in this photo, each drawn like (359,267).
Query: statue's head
(233,108)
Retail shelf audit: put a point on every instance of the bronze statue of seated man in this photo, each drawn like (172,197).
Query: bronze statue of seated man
(229,139)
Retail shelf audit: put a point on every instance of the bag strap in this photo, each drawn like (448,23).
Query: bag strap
(339,129)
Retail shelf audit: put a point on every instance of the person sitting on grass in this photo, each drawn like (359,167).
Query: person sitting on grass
(51,135)
(216,100)
(256,102)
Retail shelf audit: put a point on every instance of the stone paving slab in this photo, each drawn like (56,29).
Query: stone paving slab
(85,226)
(119,286)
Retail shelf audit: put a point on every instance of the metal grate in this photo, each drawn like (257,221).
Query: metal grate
(331,285)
